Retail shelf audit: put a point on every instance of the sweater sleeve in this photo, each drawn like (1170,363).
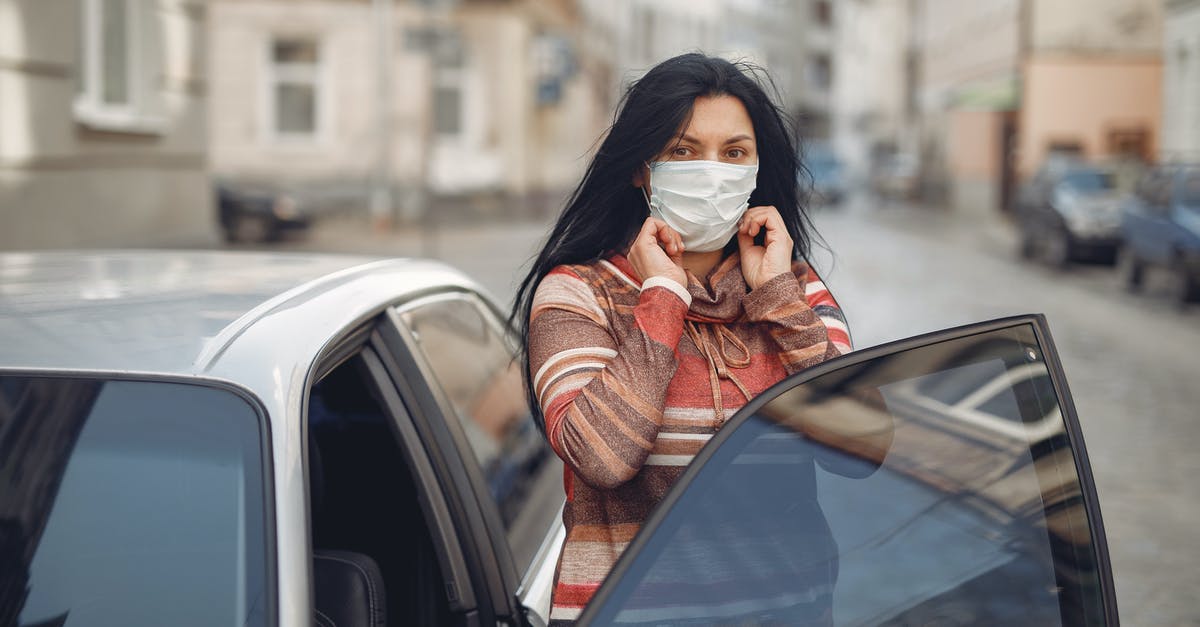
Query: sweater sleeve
(805,320)
(602,399)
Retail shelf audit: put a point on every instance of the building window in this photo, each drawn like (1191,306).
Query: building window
(114,67)
(449,84)
(295,89)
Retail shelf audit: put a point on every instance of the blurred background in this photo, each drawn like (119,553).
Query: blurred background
(968,160)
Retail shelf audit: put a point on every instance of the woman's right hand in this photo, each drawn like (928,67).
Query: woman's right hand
(658,251)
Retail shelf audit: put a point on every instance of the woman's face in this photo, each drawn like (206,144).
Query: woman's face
(719,130)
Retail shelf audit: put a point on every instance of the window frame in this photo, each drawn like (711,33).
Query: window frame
(267,459)
(1066,407)
(482,533)
(138,114)
(274,74)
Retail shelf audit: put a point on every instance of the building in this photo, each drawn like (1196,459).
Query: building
(966,91)
(1181,82)
(476,100)
(871,79)
(102,124)
(1091,80)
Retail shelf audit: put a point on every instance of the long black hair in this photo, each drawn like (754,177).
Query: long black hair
(606,210)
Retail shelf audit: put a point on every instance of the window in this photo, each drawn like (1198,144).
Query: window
(473,363)
(295,89)
(134,503)
(116,66)
(449,85)
(849,499)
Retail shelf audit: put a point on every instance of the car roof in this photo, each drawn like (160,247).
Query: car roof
(193,313)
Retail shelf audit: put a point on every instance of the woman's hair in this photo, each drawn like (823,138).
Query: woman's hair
(605,211)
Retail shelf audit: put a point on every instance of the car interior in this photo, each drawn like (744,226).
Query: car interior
(374,563)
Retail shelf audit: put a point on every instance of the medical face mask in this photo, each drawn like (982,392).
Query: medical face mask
(702,200)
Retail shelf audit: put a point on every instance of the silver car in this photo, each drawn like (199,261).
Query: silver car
(254,439)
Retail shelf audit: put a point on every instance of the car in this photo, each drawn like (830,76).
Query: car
(1161,227)
(1069,211)
(255,213)
(896,176)
(205,438)
(827,172)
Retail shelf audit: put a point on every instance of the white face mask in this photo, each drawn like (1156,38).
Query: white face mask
(702,200)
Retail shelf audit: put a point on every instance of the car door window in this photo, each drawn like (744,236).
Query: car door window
(472,359)
(880,493)
(131,503)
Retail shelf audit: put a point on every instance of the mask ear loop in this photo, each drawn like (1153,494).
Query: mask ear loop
(646,184)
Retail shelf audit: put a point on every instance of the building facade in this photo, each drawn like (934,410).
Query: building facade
(470,100)
(1091,80)
(102,124)
(1181,82)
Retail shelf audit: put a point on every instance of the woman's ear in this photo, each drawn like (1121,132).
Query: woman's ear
(640,176)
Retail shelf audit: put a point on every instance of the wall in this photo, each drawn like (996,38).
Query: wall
(70,181)
(1082,100)
(1181,82)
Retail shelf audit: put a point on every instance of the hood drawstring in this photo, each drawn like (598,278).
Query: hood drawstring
(719,360)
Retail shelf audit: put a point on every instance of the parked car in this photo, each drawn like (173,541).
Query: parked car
(1069,211)
(896,176)
(264,439)
(828,174)
(259,213)
(1161,226)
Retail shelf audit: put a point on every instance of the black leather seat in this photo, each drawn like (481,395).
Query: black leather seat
(349,590)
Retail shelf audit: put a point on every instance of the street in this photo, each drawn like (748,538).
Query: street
(1131,360)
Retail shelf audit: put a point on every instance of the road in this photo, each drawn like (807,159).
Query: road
(1132,361)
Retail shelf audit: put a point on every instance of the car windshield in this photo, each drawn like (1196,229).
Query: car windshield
(131,503)
(1089,181)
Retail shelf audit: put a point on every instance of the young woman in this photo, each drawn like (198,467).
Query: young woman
(672,289)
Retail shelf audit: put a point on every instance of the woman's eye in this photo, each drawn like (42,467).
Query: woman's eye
(679,152)
(737,153)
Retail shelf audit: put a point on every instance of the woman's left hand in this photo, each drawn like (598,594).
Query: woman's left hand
(763,263)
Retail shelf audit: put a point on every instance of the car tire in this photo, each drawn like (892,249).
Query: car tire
(1185,285)
(1057,249)
(1133,269)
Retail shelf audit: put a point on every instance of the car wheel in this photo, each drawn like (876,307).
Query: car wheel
(249,228)
(1027,248)
(1185,285)
(1056,248)
(1133,269)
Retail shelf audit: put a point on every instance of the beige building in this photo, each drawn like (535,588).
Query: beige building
(1002,83)
(1092,80)
(102,124)
(966,58)
(477,99)
(1181,82)
(870,101)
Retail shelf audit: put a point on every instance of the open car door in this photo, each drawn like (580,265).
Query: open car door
(940,480)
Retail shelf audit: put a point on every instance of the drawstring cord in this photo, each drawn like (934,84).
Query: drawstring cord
(719,360)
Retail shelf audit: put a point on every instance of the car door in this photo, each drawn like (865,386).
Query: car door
(458,343)
(936,480)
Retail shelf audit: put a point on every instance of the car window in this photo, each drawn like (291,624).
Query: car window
(472,360)
(1089,181)
(134,503)
(851,500)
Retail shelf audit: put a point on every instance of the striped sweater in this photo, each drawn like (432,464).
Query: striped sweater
(634,378)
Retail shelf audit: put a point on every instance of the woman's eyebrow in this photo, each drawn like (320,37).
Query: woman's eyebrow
(738,138)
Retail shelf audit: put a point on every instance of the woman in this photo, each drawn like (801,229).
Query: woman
(672,289)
